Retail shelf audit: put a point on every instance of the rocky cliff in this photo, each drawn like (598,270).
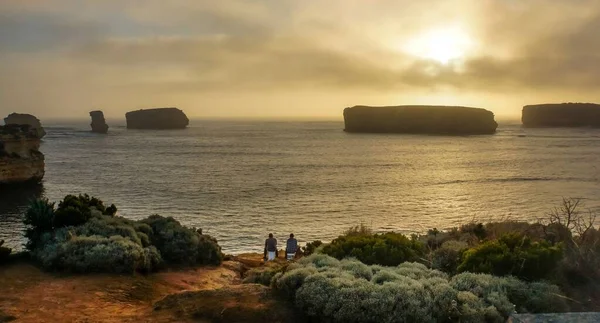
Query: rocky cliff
(28,119)
(561,115)
(163,118)
(98,122)
(441,120)
(20,158)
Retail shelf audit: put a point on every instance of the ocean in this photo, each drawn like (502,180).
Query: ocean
(240,180)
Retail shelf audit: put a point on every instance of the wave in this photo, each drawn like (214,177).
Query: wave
(520,179)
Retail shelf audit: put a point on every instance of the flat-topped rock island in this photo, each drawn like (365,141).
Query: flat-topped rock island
(561,115)
(161,118)
(420,119)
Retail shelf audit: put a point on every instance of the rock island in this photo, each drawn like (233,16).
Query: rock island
(420,119)
(162,118)
(561,115)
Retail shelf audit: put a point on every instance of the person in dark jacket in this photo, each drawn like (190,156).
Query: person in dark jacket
(271,248)
(291,247)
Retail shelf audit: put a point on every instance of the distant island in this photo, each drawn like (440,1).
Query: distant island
(420,119)
(162,118)
(561,115)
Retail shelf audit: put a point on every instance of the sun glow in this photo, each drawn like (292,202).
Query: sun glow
(443,45)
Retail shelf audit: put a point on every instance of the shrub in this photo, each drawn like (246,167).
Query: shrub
(263,275)
(82,235)
(388,249)
(447,258)
(311,247)
(513,254)
(4,253)
(39,218)
(99,254)
(406,293)
(180,245)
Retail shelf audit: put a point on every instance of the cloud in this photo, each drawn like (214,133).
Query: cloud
(116,52)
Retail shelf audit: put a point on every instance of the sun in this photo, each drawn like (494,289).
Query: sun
(443,45)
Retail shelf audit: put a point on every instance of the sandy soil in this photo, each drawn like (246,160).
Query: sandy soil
(30,295)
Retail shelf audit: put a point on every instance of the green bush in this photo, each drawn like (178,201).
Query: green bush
(388,249)
(86,254)
(262,275)
(447,258)
(180,245)
(77,210)
(4,253)
(311,247)
(82,235)
(39,218)
(513,254)
(328,290)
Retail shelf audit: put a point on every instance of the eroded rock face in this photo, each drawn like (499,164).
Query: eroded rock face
(28,119)
(20,158)
(561,115)
(415,119)
(163,118)
(98,122)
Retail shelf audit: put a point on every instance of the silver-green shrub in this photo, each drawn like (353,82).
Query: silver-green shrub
(90,238)
(328,290)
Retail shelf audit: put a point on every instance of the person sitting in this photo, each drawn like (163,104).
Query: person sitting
(271,248)
(291,247)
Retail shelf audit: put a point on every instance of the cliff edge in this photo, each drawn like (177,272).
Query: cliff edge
(418,119)
(561,115)
(162,118)
(98,122)
(28,119)
(20,158)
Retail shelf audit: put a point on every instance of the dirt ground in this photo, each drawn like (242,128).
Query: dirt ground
(28,294)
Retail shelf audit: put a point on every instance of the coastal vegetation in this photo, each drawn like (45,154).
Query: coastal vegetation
(83,235)
(474,273)
(329,290)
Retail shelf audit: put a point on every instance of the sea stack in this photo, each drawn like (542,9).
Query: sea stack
(28,119)
(162,118)
(420,119)
(98,122)
(561,115)
(20,158)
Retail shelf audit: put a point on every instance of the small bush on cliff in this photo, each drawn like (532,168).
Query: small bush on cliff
(447,258)
(39,218)
(513,254)
(4,253)
(388,249)
(81,235)
(328,290)
(77,210)
(180,245)
(311,247)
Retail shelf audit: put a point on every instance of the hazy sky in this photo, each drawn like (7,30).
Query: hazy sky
(63,58)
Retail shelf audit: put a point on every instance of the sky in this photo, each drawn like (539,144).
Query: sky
(292,58)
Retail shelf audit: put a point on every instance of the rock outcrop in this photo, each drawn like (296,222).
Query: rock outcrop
(163,118)
(98,122)
(28,119)
(416,119)
(561,115)
(20,158)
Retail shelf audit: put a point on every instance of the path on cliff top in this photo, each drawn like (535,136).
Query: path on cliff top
(31,295)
